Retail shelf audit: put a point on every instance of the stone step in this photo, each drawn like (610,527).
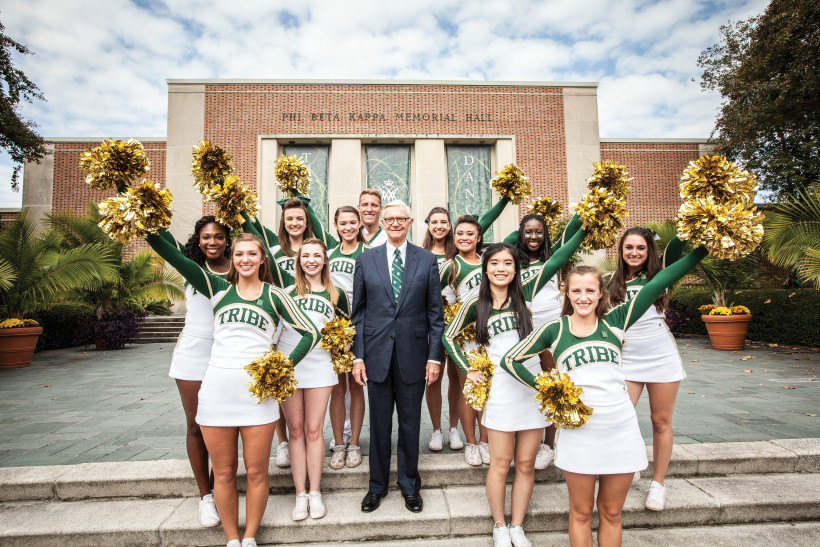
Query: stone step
(173,318)
(456,512)
(173,478)
(160,340)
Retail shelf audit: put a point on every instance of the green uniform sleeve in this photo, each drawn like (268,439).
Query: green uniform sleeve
(490,216)
(512,238)
(289,311)
(200,279)
(539,340)
(570,229)
(673,252)
(626,314)
(270,238)
(166,235)
(465,316)
(554,264)
(281,278)
(446,273)
(342,304)
(319,230)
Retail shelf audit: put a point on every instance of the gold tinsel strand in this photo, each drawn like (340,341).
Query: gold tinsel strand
(272,376)
(611,176)
(114,163)
(602,214)
(550,210)
(718,178)
(511,183)
(232,199)
(728,231)
(476,394)
(559,400)
(140,211)
(210,165)
(337,334)
(292,175)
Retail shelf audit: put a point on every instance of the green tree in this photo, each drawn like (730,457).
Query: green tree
(17,135)
(766,70)
(792,234)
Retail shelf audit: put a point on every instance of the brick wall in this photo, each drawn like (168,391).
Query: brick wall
(6,219)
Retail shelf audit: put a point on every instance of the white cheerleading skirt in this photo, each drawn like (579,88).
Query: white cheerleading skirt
(224,400)
(511,405)
(653,360)
(315,370)
(609,443)
(190,357)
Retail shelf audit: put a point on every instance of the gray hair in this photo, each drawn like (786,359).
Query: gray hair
(398,203)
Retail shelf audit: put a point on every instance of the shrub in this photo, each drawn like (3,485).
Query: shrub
(114,330)
(158,307)
(60,325)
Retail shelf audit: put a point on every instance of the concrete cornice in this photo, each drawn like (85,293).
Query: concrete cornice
(650,141)
(494,83)
(100,139)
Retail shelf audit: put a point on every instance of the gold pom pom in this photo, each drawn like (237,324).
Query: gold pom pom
(728,231)
(511,183)
(232,199)
(718,178)
(602,214)
(142,210)
(550,210)
(114,164)
(450,310)
(610,176)
(476,394)
(337,334)
(272,377)
(210,165)
(559,400)
(292,175)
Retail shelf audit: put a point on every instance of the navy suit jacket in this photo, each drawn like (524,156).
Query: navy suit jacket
(414,324)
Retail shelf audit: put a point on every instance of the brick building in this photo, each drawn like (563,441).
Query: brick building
(429,143)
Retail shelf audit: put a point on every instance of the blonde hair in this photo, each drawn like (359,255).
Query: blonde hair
(264,266)
(603,302)
(371,192)
(302,283)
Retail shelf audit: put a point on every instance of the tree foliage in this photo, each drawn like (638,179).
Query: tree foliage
(766,70)
(792,236)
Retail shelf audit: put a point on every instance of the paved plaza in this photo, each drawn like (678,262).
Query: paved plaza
(77,406)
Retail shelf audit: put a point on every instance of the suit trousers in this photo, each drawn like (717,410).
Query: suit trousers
(407,398)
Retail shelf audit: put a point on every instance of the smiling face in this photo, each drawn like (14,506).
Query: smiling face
(584,293)
(501,268)
(295,221)
(347,224)
(467,237)
(396,223)
(212,241)
(369,207)
(634,252)
(246,258)
(533,235)
(312,259)
(438,225)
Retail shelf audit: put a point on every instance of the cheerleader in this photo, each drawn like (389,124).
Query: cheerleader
(209,246)
(246,311)
(511,416)
(586,343)
(650,354)
(305,411)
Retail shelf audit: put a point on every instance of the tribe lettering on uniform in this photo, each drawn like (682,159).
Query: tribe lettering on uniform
(632,292)
(316,304)
(471,283)
(345,266)
(590,353)
(500,324)
(243,314)
(527,274)
(287,264)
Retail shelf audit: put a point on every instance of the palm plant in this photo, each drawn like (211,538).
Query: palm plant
(35,268)
(792,234)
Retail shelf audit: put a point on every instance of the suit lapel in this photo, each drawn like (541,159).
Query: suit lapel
(381,267)
(411,262)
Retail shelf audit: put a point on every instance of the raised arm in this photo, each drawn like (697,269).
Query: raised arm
(570,229)
(465,316)
(554,264)
(539,340)
(199,278)
(673,252)
(319,231)
(490,216)
(280,277)
(289,311)
(166,235)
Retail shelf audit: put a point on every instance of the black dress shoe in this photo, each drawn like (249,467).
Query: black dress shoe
(413,502)
(371,501)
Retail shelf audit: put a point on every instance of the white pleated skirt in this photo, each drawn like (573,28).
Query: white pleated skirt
(609,443)
(190,357)
(224,400)
(652,360)
(511,405)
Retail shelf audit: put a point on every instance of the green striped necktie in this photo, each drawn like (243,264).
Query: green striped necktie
(396,275)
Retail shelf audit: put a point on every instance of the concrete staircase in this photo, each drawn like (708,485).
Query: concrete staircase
(755,493)
(160,328)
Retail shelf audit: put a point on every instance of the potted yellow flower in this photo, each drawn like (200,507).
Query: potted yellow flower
(19,338)
(727,326)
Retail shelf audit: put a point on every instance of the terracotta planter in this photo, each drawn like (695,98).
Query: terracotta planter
(17,346)
(727,331)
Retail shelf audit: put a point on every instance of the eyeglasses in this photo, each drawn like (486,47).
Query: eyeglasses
(395,220)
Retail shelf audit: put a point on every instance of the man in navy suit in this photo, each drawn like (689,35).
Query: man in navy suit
(399,321)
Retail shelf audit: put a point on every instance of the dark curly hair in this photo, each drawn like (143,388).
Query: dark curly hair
(521,248)
(192,249)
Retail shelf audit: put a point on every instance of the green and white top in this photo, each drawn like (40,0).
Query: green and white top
(342,267)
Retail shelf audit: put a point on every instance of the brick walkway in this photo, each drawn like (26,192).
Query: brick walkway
(74,406)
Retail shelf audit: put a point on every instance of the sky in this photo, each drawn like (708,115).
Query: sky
(102,64)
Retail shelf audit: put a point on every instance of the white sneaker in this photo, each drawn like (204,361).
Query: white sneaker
(518,538)
(249,542)
(300,510)
(544,457)
(636,477)
(317,506)
(337,456)
(484,451)
(471,454)
(436,441)
(234,543)
(354,455)
(501,535)
(282,458)
(208,515)
(656,500)
(455,439)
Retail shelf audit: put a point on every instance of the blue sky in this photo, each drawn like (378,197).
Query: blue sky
(102,64)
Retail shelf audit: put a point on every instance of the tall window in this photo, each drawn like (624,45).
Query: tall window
(388,170)
(468,182)
(316,159)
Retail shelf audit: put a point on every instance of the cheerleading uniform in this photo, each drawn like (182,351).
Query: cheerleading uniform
(650,353)
(379,238)
(510,404)
(611,440)
(243,328)
(342,266)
